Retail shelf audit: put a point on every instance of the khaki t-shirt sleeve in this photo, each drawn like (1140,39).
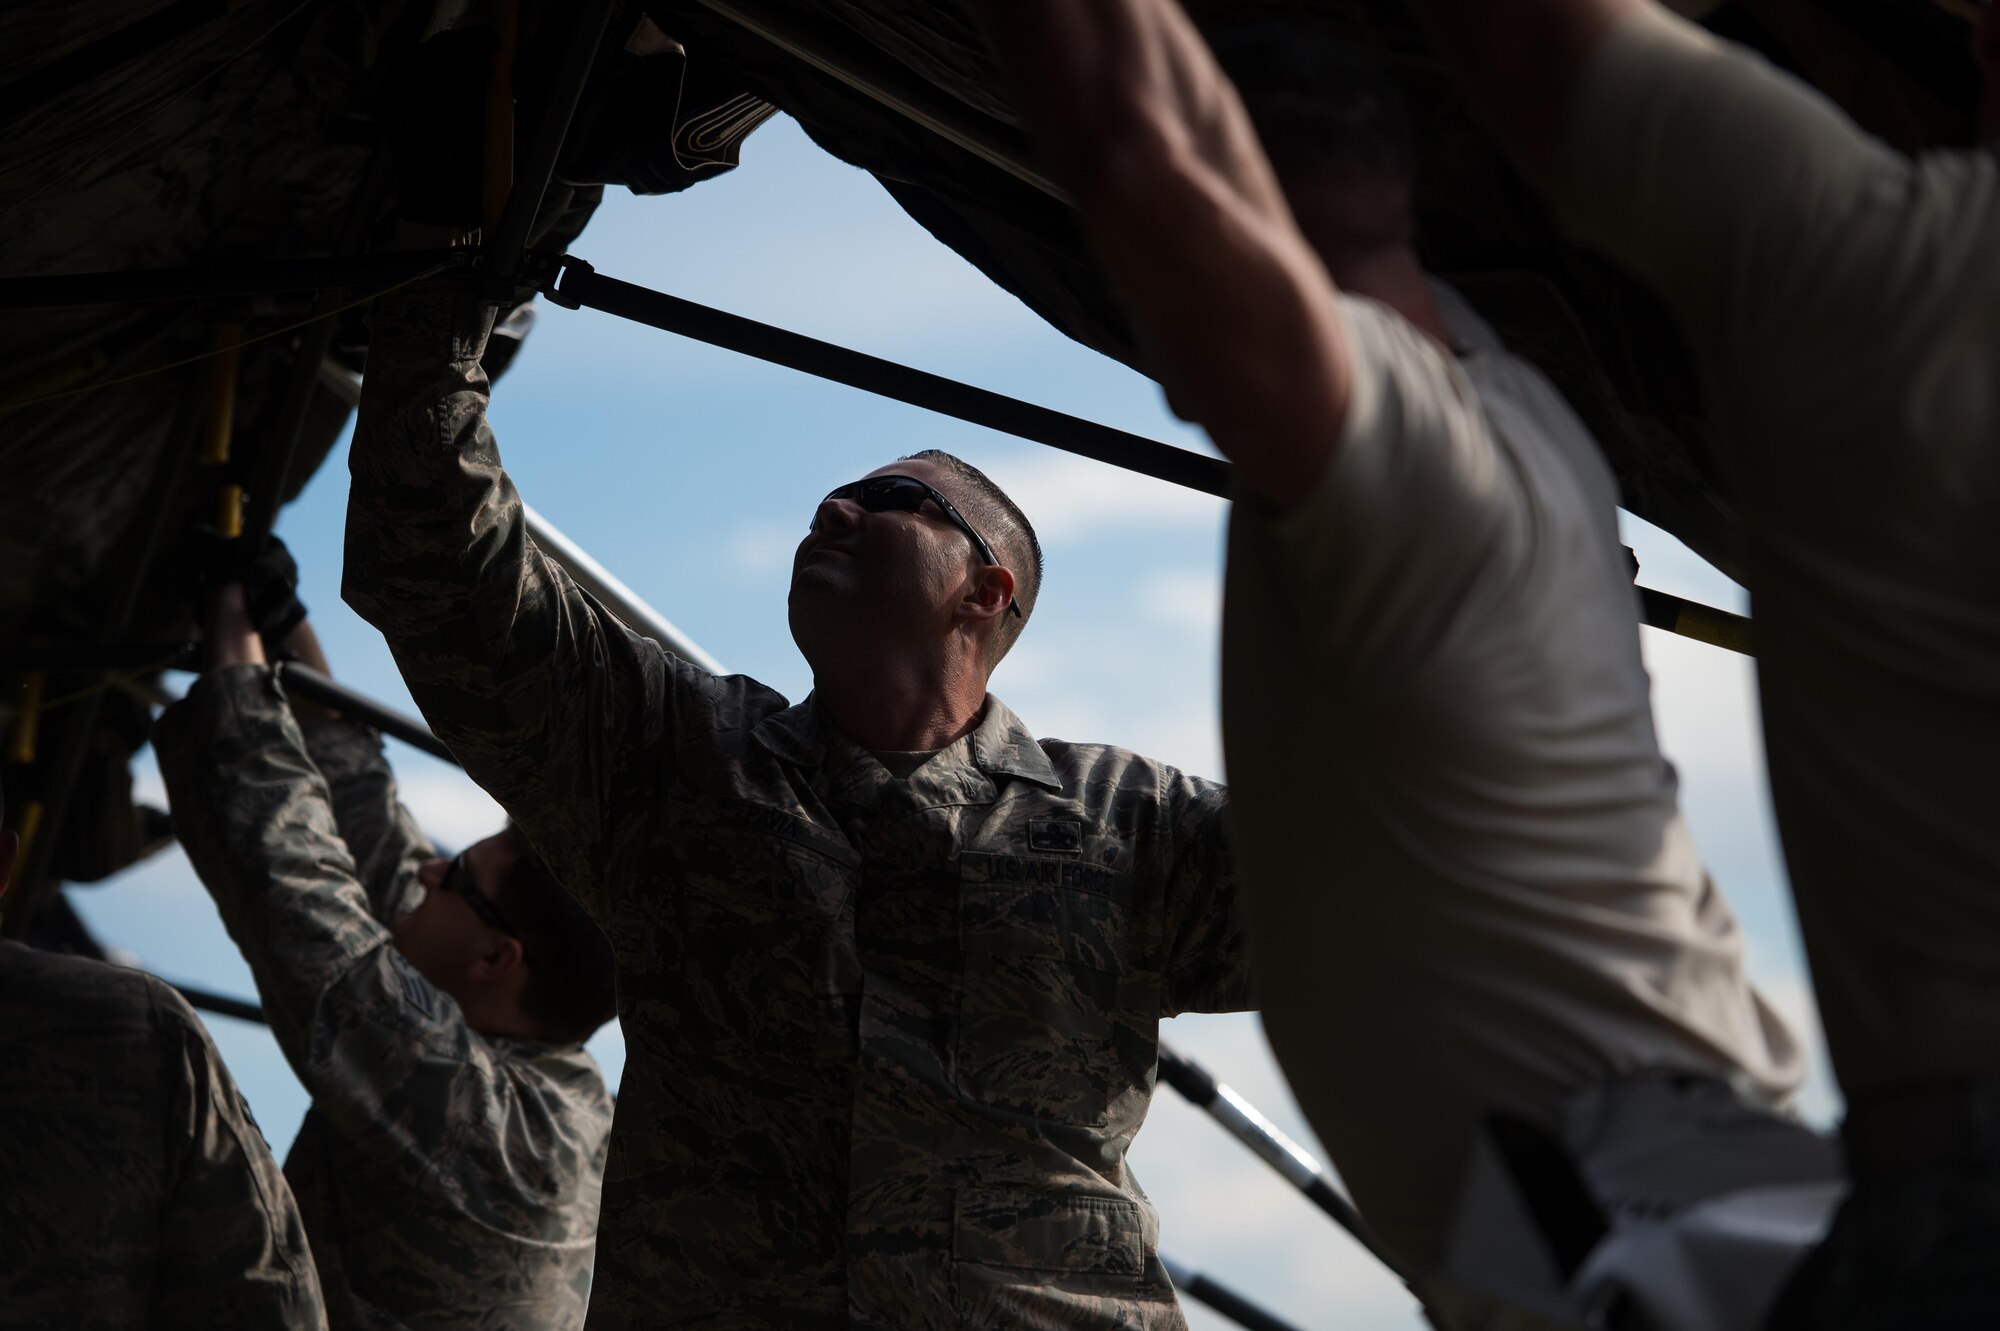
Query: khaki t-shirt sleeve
(1374,566)
(1781,236)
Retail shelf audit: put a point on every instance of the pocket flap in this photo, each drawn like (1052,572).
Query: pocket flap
(1041,1231)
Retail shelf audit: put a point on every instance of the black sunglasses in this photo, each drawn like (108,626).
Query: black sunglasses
(906,494)
(458,879)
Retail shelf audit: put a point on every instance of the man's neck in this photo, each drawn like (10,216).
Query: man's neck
(1395,277)
(902,707)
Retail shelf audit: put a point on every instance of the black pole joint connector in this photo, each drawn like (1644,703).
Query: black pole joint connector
(548,274)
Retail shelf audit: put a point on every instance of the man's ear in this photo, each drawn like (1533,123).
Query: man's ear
(10,849)
(989,594)
(499,955)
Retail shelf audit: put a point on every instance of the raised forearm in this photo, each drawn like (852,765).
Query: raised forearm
(543,696)
(1237,314)
(254,816)
(437,554)
(379,832)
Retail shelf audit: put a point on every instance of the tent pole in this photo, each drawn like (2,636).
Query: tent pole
(578,285)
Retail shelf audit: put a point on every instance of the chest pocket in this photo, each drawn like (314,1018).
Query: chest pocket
(1058,1017)
(765,909)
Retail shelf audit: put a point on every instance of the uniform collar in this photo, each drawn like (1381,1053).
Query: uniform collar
(1000,745)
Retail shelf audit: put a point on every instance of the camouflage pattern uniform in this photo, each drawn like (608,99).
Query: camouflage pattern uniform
(135,1189)
(447,1178)
(888,1041)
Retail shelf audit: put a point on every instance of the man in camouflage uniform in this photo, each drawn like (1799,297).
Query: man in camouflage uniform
(890,969)
(450,1165)
(135,1189)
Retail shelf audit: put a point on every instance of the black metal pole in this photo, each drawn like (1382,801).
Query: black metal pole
(215,281)
(1692,619)
(1250,1127)
(531,177)
(309,683)
(221,1004)
(579,285)
(1223,1299)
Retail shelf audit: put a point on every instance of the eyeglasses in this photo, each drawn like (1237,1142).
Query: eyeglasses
(906,494)
(458,878)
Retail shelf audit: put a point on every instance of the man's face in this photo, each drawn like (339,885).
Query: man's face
(443,938)
(875,576)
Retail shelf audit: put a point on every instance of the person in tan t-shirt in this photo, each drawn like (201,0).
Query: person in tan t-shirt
(1471,889)
(1843,302)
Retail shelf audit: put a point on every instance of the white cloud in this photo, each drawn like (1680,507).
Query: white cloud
(760,239)
(1189,599)
(1073,499)
(447,805)
(758,549)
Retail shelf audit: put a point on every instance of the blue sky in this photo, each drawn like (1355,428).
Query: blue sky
(691,473)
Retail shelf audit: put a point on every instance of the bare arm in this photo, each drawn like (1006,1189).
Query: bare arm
(1147,134)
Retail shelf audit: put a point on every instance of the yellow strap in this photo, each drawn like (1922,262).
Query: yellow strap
(27,719)
(219,416)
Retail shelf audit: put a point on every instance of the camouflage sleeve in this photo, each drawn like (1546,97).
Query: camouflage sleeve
(374,1042)
(233,1249)
(553,706)
(379,832)
(1208,966)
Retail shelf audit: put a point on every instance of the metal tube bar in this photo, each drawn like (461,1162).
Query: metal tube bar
(1221,1298)
(579,285)
(221,1004)
(621,600)
(1691,619)
(1266,1142)
(888,84)
(309,683)
(68,290)
(531,179)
